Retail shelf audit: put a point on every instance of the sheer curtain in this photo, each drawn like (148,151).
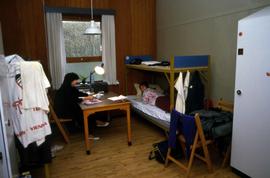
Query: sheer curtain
(56,48)
(108,49)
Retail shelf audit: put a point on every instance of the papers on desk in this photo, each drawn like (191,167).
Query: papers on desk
(117,98)
(93,101)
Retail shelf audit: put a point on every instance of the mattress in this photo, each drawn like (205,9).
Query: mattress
(149,109)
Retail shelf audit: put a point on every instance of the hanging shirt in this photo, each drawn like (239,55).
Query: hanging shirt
(34,104)
(31,124)
(182,91)
(34,83)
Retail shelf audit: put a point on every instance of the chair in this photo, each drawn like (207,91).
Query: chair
(199,141)
(225,106)
(54,119)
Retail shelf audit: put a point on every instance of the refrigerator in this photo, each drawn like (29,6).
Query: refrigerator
(251,123)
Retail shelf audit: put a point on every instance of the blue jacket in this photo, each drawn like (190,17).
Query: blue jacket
(185,125)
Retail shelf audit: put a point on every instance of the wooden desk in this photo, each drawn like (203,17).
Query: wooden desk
(105,105)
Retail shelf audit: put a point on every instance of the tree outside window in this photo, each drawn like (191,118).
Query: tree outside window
(80,47)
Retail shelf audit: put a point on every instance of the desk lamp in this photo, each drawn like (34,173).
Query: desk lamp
(98,70)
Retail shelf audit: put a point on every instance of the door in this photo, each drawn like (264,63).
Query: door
(251,124)
(1,42)
(5,169)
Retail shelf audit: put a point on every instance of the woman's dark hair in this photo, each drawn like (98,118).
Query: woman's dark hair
(144,83)
(69,77)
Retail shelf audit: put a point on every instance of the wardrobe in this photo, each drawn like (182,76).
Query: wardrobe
(251,124)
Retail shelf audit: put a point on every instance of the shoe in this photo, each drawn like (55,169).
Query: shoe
(103,125)
(53,155)
(90,137)
(56,148)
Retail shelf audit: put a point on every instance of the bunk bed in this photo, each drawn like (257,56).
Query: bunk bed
(177,64)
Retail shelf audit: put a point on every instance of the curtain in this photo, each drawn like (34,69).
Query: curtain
(108,49)
(56,48)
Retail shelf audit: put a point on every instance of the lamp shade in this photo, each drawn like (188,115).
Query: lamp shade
(93,29)
(99,70)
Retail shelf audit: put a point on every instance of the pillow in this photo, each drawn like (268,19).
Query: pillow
(138,90)
(156,87)
(152,86)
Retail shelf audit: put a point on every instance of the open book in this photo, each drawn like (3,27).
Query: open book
(117,98)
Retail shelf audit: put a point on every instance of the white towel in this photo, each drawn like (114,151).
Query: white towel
(182,91)
(34,82)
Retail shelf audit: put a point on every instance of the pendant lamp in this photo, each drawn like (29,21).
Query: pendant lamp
(93,29)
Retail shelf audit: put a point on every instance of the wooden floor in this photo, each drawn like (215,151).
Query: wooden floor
(112,158)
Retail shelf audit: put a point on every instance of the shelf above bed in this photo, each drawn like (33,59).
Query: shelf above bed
(166,69)
(177,64)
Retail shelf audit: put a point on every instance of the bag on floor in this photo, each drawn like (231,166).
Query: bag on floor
(159,151)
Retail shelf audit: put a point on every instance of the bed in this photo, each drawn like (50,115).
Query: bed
(177,64)
(152,113)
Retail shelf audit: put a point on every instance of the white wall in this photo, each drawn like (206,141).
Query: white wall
(204,27)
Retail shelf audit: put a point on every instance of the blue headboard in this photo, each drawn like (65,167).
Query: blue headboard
(191,61)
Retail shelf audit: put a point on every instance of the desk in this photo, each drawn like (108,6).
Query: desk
(105,105)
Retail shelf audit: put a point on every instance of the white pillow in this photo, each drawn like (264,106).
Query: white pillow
(152,86)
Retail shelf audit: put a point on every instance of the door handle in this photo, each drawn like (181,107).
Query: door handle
(239,92)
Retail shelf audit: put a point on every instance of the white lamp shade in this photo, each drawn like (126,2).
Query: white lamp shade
(93,29)
(99,70)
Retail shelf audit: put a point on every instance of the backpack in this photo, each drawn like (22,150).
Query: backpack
(160,149)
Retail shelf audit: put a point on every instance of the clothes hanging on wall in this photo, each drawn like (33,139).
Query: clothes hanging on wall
(182,92)
(195,97)
(28,85)
(33,156)
(27,102)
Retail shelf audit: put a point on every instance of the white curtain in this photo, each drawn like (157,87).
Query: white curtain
(56,48)
(108,49)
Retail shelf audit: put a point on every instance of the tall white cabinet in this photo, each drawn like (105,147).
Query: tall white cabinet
(251,123)
(1,41)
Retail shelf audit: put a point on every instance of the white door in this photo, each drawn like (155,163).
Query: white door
(251,124)
(5,169)
(1,41)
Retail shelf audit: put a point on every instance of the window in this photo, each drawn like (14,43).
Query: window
(80,47)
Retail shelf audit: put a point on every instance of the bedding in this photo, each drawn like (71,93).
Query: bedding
(152,86)
(149,109)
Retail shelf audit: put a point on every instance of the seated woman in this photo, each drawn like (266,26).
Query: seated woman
(66,103)
(154,97)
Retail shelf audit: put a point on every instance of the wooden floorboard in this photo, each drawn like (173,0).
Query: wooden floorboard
(112,158)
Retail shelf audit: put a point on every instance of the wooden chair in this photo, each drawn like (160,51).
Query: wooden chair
(199,142)
(54,119)
(225,106)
